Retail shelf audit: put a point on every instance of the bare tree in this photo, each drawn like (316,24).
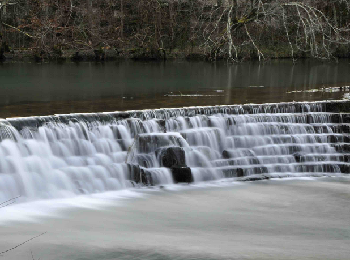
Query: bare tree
(231,29)
(307,27)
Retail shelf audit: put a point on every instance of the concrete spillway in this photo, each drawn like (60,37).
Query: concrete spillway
(67,155)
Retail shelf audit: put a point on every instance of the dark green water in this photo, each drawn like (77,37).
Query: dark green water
(39,89)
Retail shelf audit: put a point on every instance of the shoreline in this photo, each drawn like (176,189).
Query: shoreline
(144,55)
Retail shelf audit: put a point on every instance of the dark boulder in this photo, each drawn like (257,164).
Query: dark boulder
(148,143)
(146,178)
(240,172)
(345,168)
(298,156)
(345,118)
(161,125)
(337,106)
(233,172)
(121,115)
(336,118)
(133,172)
(345,129)
(139,175)
(226,154)
(171,156)
(182,174)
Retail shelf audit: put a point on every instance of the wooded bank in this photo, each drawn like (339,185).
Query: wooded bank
(158,29)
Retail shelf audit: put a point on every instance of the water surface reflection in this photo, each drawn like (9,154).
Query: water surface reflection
(41,89)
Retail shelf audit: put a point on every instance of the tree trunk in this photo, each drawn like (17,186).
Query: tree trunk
(89,12)
(121,18)
(235,4)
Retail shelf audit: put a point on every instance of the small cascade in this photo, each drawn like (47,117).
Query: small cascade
(68,155)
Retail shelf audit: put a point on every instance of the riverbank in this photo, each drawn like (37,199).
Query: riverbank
(136,54)
(146,54)
(158,30)
(284,220)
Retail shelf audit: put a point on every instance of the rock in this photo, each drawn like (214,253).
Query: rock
(336,118)
(233,172)
(346,118)
(254,178)
(145,160)
(337,106)
(171,156)
(139,175)
(161,125)
(346,158)
(226,154)
(298,156)
(122,115)
(147,143)
(345,129)
(346,148)
(240,172)
(345,168)
(146,178)
(136,126)
(182,174)
(133,172)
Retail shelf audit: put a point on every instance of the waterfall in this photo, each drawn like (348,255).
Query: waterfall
(68,155)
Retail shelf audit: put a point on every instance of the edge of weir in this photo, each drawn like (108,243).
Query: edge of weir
(327,106)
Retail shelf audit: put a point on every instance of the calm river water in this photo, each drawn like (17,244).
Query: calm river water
(41,89)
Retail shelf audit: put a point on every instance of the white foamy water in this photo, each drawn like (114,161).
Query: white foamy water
(65,156)
(299,218)
(36,211)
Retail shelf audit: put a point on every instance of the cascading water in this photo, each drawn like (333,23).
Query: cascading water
(67,155)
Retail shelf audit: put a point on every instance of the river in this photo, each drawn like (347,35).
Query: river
(50,88)
(288,219)
(175,183)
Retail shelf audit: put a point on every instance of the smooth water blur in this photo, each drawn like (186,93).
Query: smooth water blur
(292,219)
(70,155)
(49,88)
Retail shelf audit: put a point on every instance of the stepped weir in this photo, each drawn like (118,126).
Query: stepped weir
(68,155)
